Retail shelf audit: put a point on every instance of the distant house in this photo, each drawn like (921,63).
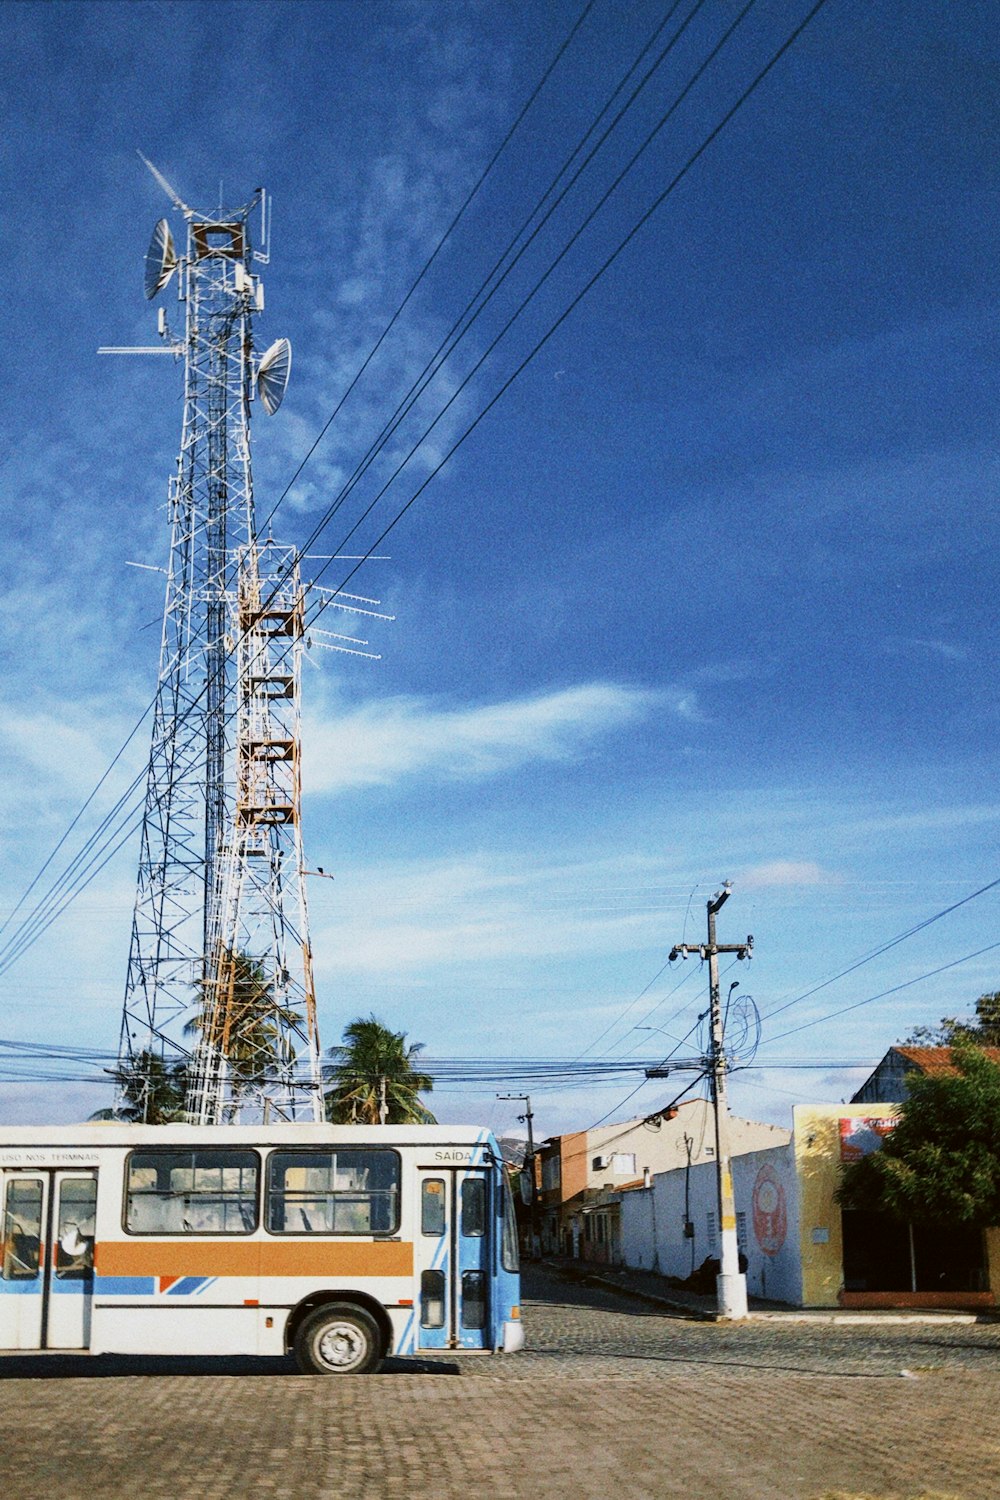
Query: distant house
(887,1085)
(801,1247)
(581,1175)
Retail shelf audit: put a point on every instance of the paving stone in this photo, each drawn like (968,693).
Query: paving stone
(611,1398)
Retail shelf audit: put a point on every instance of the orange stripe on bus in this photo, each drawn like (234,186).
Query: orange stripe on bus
(319,1258)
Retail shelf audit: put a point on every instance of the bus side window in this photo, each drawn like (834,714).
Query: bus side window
(474,1207)
(432,1207)
(509,1254)
(209,1191)
(75,1229)
(432,1299)
(347,1191)
(22,1229)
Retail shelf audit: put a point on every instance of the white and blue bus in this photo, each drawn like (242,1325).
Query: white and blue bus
(341,1244)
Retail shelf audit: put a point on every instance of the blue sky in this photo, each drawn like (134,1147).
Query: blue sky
(708,594)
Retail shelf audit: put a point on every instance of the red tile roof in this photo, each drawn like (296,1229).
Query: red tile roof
(938,1059)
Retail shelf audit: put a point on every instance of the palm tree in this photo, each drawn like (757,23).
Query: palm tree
(247,1027)
(152,1090)
(373,1078)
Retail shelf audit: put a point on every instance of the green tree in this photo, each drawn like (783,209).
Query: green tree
(247,1026)
(373,1078)
(152,1090)
(983,1030)
(941,1164)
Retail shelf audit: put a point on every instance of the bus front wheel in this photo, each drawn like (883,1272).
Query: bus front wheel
(338,1339)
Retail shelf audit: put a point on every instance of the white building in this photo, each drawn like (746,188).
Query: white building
(671,1225)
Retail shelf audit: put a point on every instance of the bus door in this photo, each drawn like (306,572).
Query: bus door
(453,1258)
(47,1224)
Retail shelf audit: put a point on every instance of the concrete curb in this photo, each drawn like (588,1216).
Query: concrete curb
(696,1314)
(878,1317)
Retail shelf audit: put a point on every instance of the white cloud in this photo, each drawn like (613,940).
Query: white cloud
(380,742)
(406,918)
(921,646)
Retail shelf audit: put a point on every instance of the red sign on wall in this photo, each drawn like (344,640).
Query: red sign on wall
(860,1137)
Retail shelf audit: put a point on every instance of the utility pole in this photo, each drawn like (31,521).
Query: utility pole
(526,1119)
(731,1285)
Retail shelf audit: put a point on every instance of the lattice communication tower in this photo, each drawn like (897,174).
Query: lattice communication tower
(220,973)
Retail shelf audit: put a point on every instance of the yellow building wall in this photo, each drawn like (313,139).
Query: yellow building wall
(816,1143)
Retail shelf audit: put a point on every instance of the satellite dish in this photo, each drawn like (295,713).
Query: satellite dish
(161,259)
(272,375)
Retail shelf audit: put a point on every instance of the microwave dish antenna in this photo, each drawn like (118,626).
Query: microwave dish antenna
(272,375)
(161,259)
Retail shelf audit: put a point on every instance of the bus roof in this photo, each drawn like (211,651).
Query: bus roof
(118,1133)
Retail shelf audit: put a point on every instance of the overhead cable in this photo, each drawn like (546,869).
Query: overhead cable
(893,990)
(885,947)
(609,260)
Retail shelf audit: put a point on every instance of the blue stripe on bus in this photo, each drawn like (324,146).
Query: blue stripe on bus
(187,1285)
(124,1286)
(407,1338)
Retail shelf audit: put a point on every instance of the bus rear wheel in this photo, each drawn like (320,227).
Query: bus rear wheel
(338,1339)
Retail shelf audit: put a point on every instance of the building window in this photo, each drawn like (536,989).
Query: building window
(741,1231)
(623,1164)
(710,1233)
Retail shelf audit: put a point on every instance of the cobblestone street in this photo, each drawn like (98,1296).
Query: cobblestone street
(612,1397)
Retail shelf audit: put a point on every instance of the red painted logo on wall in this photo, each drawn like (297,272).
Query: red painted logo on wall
(770,1212)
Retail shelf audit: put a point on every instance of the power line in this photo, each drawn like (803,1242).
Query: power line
(894,990)
(47,910)
(605,265)
(38,910)
(576,299)
(632,1003)
(663,1108)
(434,254)
(877,952)
(526,300)
(97,787)
(471,312)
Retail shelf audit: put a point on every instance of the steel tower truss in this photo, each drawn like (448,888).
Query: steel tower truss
(220,967)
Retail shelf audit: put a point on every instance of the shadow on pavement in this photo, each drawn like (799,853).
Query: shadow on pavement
(574,1287)
(118,1366)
